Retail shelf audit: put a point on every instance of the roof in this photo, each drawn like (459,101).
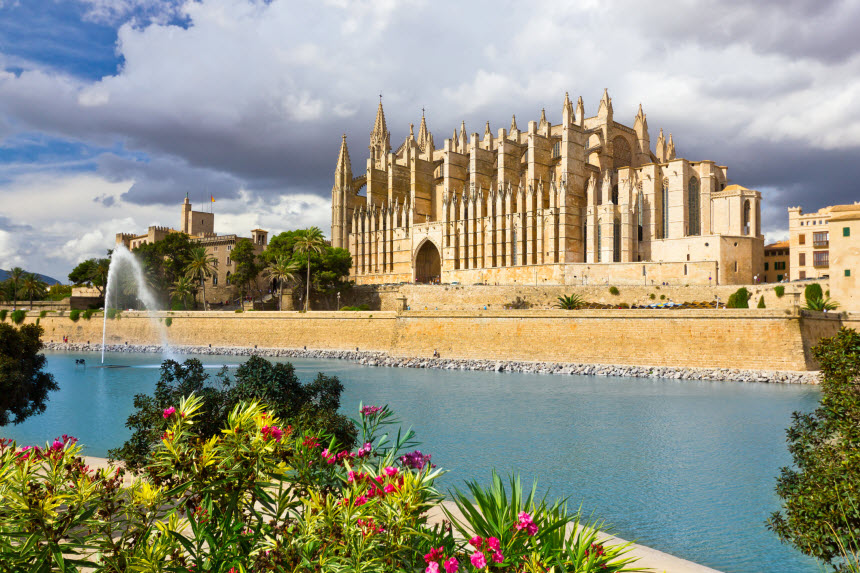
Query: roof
(735,187)
(778,245)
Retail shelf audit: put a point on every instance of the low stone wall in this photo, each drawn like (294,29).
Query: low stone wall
(475,297)
(737,339)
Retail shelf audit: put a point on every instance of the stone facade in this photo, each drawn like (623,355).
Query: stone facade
(200,227)
(586,199)
(845,256)
(809,243)
(777,262)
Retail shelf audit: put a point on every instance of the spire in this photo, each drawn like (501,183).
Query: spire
(514,123)
(605,108)
(463,129)
(660,148)
(343,163)
(640,114)
(580,110)
(670,149)
(380,139)
(567,110)
(411,131)
(543,121)
(422,133)
(487,130)
(379,127)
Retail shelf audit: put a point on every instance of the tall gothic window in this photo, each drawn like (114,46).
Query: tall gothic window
(664,220)
(695,216)
(616,241)
(599,254)
(640,206)
(615,194)
(746,217)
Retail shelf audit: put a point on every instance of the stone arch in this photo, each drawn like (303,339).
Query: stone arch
(427,262)
(622,155)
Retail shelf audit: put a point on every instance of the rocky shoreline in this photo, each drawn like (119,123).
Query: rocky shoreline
(369,358)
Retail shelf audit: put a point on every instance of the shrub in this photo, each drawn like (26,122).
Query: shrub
(24,384)
(312,406)
(239,310)
(779,290)
(820,304)
(820,498)
(569,302)
(662,297)
(813,292)
(518,304)
(38,320)
(168,321)
(74,315)
(18,316)
(3,314)
(261,496)
(111,313)
(760,302)
(652,296)
(739,299)
(614,290)
(87,314)
(43,314)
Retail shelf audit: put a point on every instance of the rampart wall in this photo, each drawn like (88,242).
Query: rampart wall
(748,339)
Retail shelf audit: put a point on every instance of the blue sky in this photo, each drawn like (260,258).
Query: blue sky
(111,110)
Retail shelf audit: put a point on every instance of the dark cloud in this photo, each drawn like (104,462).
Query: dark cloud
(7,224)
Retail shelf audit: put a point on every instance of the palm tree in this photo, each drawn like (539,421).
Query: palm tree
(33,286)
(200,267)
(183,288)
(310,242)
(569,302)
(284,270)
(15,276)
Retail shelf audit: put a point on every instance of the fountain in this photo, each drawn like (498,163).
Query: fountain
(122,260)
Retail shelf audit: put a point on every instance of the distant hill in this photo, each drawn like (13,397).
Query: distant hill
(50,280)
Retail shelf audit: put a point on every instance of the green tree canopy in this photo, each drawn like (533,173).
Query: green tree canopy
(165,261)
(91,273)
(821,492)
(24,385)
(247,266)
(200,267)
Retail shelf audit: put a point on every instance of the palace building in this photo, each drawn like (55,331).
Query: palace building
(582,201)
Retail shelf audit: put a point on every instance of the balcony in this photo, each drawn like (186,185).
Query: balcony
(821,259)
(820,244)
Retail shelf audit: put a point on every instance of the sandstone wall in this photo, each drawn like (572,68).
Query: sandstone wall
(750,339)
(474,297)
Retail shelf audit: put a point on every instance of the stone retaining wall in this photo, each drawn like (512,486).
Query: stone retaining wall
(737,339)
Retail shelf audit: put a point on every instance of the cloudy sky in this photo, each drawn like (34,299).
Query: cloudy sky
(112,110)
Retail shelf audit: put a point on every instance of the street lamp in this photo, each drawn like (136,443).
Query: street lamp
(338,301)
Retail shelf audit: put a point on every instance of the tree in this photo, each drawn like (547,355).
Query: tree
(24,385)
(200,267)
(183,288)
(309,406)
(16,274)
(760,302)
(248,268)
(570,302)
(33,287)
(821,492)
(92,273)
(165,261)
(283,270)
(310,242)
(739,299)
(812,292)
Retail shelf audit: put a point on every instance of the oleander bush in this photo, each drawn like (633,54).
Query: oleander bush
(613,290)
(3,314)
(18,316)
(779,290)
(739,299)
(74,315)
(88,314)
(265,496)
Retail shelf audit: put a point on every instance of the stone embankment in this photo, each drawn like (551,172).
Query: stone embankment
(382,359)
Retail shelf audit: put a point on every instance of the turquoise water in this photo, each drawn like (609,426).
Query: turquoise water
(682,466)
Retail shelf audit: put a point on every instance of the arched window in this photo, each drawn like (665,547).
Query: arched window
(746,217)
(228,277)
(599,233)
(615,194)
(664,219)
(556,150)
(640,206)
(694,212)
(616,241)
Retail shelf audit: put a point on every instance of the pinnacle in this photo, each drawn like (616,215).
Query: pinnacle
(514,123)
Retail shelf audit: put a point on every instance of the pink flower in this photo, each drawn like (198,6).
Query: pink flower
(370,410)
(451,565)
(364,450)
(478,560)
(389,488)
(360,500)
(531,529)
(477,542)
(271,432)
(498,557)
(525,522)
(434,555)
(390,471)
(432,567)
(169,412)
(493,543)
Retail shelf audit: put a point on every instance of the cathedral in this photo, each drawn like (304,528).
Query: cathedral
(585,201)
